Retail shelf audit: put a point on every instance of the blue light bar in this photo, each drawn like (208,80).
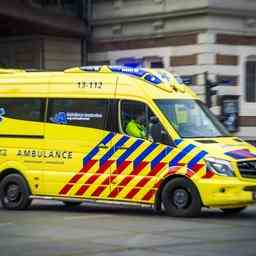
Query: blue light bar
(129,71)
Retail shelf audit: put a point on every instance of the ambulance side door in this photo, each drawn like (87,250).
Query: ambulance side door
(77,140)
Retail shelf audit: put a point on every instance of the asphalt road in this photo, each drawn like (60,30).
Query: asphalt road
(49,228)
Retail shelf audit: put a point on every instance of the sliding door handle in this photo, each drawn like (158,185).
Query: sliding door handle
(103,146)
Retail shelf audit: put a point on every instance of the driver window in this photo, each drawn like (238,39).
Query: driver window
(137,120)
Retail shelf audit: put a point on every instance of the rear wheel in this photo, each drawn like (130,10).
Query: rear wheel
(181,199)
(233,210)
(14,192)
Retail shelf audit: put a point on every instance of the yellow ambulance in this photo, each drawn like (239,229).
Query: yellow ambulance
(121,135)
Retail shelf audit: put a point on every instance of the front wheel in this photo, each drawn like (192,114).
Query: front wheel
(233,210)
(14,192)
(181,199)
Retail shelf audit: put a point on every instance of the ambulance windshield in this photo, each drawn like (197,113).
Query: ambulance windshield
(191,118)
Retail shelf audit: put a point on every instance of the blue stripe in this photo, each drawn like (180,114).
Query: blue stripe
(111,151)
(144,154)
(129,151)
(158,158)
(182,154)
(196,159)
(177,142)
(95,150)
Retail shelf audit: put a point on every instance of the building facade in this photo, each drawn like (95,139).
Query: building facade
(187,38)
(43,34)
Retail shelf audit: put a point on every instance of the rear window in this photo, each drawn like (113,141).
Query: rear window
(27,109)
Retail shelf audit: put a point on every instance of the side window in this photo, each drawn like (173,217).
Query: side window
(28,109)
(137,120)
(79,112)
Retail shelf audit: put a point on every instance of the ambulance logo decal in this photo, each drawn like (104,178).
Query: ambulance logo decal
(59,118)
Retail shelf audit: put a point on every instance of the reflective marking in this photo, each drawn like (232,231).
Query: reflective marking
(158,158)
(181,155)
(129,151)
(119,144)
(144,154)
(196,159)
(94,151)
(149,195)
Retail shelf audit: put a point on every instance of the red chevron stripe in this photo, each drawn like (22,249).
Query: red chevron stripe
(157,185)
(194,170)
(88,166)
(209,174)
(156,169)
(120,186)
(127,179)
(140,184)
(77,177)
(143,182)
(91,180)
(132,193)
(121,167)
(102,169)
(114,192)
(82,190)
(105,166)
(137,169)
(66,189)
(98,191)
(173,170)
(149,195)
(111,178)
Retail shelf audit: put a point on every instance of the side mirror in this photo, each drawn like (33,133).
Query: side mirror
(166,139)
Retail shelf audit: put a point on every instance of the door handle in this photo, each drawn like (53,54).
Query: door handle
(103,146)
(123,148)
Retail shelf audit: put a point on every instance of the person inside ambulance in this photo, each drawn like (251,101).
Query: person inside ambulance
(136,127)
(140,122)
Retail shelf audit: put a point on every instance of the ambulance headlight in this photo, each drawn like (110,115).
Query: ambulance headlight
(219,167)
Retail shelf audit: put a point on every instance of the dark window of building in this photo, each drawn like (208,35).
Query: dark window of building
(251,81)
(23,109)
(79,112)
(157,64)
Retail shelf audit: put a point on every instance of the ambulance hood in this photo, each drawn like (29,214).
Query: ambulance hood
(229,148)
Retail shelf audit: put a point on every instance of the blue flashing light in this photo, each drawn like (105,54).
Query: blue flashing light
(128,70)
(152,79)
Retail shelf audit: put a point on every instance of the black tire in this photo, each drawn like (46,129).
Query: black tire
(14,193)
(181,199)
(71,203)
(233,211)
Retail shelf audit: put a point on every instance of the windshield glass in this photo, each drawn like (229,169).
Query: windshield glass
(191,118)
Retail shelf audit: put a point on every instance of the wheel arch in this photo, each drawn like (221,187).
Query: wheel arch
(4,173)
(158,197)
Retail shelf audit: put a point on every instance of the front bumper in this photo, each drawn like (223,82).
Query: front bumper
(226,192)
